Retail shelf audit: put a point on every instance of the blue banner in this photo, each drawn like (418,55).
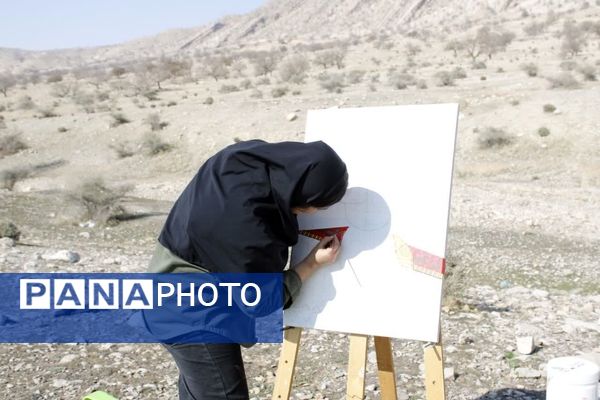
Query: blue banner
(141,308)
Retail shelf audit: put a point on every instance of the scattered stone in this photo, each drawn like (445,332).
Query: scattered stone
(371,388)
(292,117)
(9,230)
(528,373)
(525,344)
(449,373)
(63,255)
(58,383)
(68,358)
(7,243)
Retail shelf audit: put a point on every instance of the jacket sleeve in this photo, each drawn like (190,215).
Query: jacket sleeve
(291,287)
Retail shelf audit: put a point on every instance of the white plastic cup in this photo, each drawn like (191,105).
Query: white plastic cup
(572,378)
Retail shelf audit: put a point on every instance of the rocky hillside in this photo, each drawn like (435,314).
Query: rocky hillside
(308,20)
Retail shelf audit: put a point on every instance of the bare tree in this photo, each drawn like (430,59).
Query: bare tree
(265,63)
(7,81)
(215,67)
(455,45)
(238,66)
(485,41)
(331,57)
(293,69)
(574,39)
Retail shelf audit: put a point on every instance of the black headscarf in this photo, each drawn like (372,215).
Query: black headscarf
(235,215)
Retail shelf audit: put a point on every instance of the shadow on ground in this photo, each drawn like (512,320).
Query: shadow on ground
(508,393)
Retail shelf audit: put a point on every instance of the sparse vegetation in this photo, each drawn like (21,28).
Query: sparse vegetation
(265,63)
(9,177)
(574,39)
(458,73)
(153,144)
(543,131)
(155,123)
(443,78)
(256,94)
(355,76)
(400,80)
(7,81)
(331,57)
(227,88)
(11,144)
(332,82)
(122,149)
(563,81)
(47,112)
(100,201)
(216,68)
(293,69)
(530,69)
(588,72)
(9,230)
(246,84)
(493,137)
(279,91)
(118,119)
(25,103)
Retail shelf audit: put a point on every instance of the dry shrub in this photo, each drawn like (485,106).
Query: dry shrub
(9,177)
(225,88)
(153,144)
(458,73)
(355,76)
(279,91)
(47,112)
(293,69)
(256,94)
(444,78)
(530,69)
(543,131)
(100,201)
(11,144)
(333,83)
(155,123)
(246,84)
(588,72)
(25,103)
(400,80)
(563,81)
(118,119)
(123,149)
(493,137)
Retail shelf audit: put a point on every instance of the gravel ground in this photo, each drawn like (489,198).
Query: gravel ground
(514,270)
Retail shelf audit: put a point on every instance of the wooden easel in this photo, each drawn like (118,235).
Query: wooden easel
(357,365)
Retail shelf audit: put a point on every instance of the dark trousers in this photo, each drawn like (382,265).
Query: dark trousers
(210,371)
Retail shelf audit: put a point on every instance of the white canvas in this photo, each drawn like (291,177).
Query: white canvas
(399,161)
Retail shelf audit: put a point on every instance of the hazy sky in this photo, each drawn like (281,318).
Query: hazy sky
(50,24)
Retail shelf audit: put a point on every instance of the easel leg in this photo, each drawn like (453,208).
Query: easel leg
(287,364)
(435,386)
(357,366)
(385,367)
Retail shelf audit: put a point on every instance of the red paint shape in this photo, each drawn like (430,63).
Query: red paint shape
(427,262)
(319,234)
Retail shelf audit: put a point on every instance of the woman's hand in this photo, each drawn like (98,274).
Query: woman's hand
(324,253)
